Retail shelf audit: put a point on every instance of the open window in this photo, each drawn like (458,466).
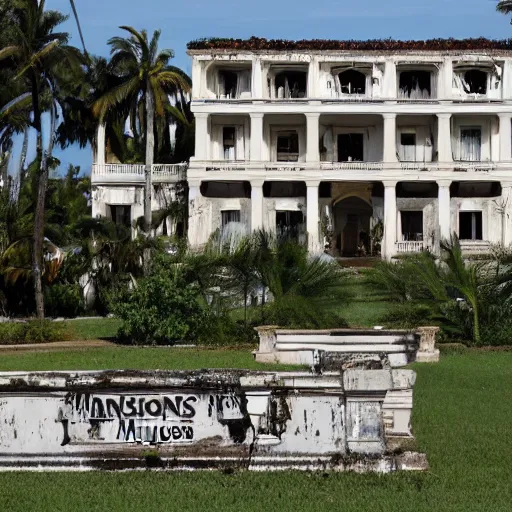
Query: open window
(121,214)
(288,83)
(228,142)
(350,147)
(412,226)
(229,217)
(475,82)
(415,85)
(287,146)
(470,225)
(289,224)
(352,82)
(470,144)
(408,147)
(229,83)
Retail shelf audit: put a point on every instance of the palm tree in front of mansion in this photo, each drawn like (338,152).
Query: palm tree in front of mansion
(147,81)
(504,6)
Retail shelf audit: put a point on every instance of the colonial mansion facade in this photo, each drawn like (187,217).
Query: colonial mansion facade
(342,145)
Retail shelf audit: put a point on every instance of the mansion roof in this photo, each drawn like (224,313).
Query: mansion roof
(256,44)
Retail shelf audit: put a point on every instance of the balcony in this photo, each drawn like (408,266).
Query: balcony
(352,166)
(409,247)
(135,173)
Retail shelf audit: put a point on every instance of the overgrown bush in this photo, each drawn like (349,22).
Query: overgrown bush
(408,315)
(160,310)
(33,331)
(64,300)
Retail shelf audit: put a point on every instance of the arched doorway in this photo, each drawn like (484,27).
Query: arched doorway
(352,225)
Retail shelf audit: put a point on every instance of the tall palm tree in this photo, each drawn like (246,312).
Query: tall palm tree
(43,60)
(147,81)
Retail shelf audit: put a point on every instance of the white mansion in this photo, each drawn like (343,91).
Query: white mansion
(331,141)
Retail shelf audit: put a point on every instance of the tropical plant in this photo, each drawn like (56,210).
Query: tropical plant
(43,62)
(147,82)
(504,6)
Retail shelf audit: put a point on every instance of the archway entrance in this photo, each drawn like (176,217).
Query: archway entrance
(352,226)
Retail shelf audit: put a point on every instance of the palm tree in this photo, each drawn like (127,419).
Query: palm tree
(504,6)
(43,60)
(147,80)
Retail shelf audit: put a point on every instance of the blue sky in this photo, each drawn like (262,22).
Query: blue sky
(182,21)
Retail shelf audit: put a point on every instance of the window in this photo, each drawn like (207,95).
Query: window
(234,84)
(470,226)
(470,144)
(412,226)
(352,82)
(229,216)
(350,147)
(291,84)
(414,85)
(408,147)
(288,147)
(475,82)
(121,214)
(228,142)
(289,223)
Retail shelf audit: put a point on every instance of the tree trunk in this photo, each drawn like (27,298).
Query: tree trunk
(150,153)
(42,181)
(23,157)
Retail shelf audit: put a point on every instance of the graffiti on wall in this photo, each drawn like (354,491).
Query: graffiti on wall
(153,419)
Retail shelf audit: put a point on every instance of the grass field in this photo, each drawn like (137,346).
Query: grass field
(92,328)
(462,420)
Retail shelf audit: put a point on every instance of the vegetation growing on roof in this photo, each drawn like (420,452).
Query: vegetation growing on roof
(257,43)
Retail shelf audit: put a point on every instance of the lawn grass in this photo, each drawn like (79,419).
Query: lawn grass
(462,418)
(92,328)
(138,358)
(367,305)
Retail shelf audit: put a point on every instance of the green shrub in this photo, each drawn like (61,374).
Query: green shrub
(159,310)
(63,300)
(408,315)
(223,330)
(33,331)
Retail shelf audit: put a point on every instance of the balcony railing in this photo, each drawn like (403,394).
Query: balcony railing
(135,173)
(285,166)
(411,247)
(460,165)
(352,166)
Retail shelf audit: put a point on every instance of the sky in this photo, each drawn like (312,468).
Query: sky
(184,21)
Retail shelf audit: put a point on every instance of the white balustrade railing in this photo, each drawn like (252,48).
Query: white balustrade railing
(136,172)
(285,166)
(352,166)
(410,247)
(474,166)
(226,165)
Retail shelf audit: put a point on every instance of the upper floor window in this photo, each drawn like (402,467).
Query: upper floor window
(470,144)
(228,142)
(288,83)
(350,147)
(229,83)
(475,82)
(352,82)
(287,147)
(415,85)
(408,147)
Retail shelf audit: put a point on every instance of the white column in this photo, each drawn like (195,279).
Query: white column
(505,137)
(444,209)
(196,78)
(444,138)
(313,138)
(389,137)
(506,80)
(389,238)
(257,78)
(313,217)
(256,136)
(506,213)
(202,137)
(313,78)
(100,145)
(445,80)
(194,213)
(390,89)
(256,204)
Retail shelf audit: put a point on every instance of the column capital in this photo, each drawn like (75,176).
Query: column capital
(257,183)
(444,183)
(390,184)
(505,115)
(194,183)
(389,115)
(506,184)
(256,115)
(312,183)
(312,115)
(444,115)
(201,115)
